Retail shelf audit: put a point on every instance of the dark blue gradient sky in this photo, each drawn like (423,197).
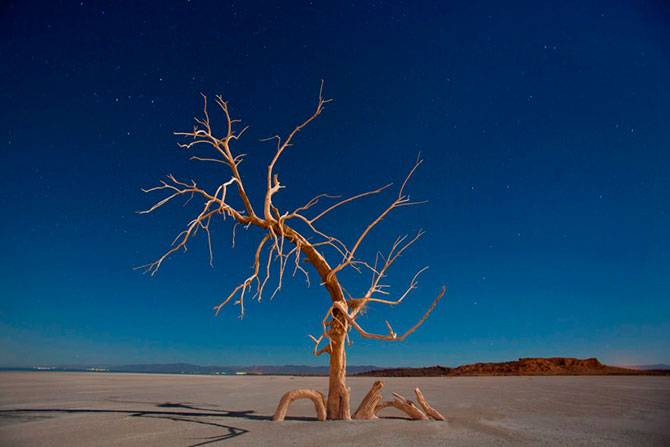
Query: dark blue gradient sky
(543,126)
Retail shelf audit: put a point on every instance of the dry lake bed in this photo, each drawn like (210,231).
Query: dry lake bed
(110,409)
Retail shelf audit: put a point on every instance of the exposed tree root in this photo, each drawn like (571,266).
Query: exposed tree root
(318,398)
(366,410)
(404,405)
(430,411)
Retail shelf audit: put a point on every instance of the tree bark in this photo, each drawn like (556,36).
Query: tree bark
(338,392)
(337,405)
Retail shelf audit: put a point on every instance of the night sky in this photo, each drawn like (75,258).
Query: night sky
(544,129)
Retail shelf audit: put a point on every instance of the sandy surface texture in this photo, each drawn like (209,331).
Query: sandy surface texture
(91,409)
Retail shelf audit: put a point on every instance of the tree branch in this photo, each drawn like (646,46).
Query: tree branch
(221,145)
(323,213)
(274,187)
(402,199)
(391,335)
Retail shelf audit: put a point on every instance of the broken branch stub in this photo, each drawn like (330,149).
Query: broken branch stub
(366,409)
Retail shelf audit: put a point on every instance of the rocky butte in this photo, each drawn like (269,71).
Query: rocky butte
(554,366)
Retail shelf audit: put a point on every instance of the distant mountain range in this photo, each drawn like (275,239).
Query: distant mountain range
(187,368)
(522,366)
(554,366)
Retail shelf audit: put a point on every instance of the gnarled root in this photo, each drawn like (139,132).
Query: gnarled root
(318,398)
(405,405)
(366,410)
(409,407)
(430,411)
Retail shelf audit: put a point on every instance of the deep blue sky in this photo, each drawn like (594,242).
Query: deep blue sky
(543,126)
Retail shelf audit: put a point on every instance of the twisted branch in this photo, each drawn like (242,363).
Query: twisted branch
(391,335)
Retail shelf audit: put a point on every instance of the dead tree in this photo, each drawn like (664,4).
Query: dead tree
(285,247)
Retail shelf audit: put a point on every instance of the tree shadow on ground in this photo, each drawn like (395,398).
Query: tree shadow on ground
(191,413)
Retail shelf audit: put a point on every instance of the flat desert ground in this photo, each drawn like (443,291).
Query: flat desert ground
(109,409)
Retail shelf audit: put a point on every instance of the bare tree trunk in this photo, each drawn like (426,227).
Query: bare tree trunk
(338,392)
(337,405)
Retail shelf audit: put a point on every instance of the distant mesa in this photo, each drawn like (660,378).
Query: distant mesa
(554,366)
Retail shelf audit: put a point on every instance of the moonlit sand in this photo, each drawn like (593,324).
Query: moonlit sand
(106,409)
